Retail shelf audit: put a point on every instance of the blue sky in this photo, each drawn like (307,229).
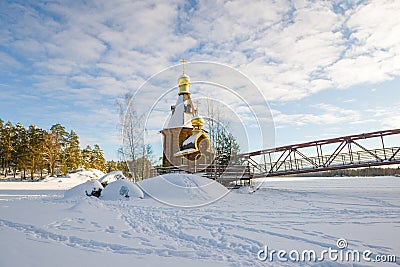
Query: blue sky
(327,68)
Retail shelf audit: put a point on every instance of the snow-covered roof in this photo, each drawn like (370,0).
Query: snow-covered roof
(191,139)
(189,145)
(185,151)
(179,118)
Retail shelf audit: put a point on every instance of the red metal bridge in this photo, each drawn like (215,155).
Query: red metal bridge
(354,151)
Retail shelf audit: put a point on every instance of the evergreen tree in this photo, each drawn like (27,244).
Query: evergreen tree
(7,146)
(111,166)
(223,143)
(55,141)
(1,146)
(73,154)
(227,149)
(99,162)
(36,155)
(41,153)
(123,166)
(34,149)
(50,152)
(94,158)
(87,157)
(20,155)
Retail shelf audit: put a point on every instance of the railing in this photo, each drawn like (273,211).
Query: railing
(295,159)
(349,153)
(211,171)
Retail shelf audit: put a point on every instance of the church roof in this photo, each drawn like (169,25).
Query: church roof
(186,151)
(191,139)
(180,118)
(189,145)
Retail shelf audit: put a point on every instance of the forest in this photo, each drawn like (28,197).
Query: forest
(361,172)
(35,152)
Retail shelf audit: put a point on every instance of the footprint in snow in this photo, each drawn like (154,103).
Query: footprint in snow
(126,234)
(95,224)
(110,229)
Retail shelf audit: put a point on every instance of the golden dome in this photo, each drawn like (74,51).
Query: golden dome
(184,79)
(184,83)
(197,122)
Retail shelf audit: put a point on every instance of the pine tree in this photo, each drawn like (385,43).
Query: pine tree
(226,150)
(55,141)
(41,152)
(223,143)
(73,154)
(7,146)
(35,149)
(36,153)
(123,166)
(87,157)
(94,158)
(111,166)
(99,162)
(20,155)
(1,146)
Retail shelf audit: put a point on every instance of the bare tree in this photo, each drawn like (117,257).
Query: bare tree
(131,127)
(223,142)
(213,120)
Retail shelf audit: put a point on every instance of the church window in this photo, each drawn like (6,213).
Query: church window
(188,108)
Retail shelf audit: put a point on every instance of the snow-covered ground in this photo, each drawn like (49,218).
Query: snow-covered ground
(39,227)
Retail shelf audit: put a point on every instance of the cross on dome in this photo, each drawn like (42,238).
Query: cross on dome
(196,110)
(183,65)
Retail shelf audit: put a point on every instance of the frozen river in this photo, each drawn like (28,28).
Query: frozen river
(292,215)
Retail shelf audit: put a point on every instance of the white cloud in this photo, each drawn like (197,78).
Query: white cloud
(387,117)
(90,52)
(291,56)
(326,115)
(291,50)
(374,55)
(7,62)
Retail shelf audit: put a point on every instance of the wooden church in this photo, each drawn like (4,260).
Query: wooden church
(186,144)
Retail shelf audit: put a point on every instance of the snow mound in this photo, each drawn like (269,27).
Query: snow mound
(111,177)
(183,190)
(80,190)
(121,189)
(76,177)
(95,173)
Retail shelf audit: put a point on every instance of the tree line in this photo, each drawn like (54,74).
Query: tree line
(362,172)
(55,151)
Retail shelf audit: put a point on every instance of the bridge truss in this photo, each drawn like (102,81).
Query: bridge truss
(354,151)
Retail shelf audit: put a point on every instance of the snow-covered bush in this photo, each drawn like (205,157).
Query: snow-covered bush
(121,189)
(111,177)
(83,190)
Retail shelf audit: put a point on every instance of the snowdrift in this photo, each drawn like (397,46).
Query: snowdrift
(121,189)
(183,190)
(76,177)
(79,191)
(111,177)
